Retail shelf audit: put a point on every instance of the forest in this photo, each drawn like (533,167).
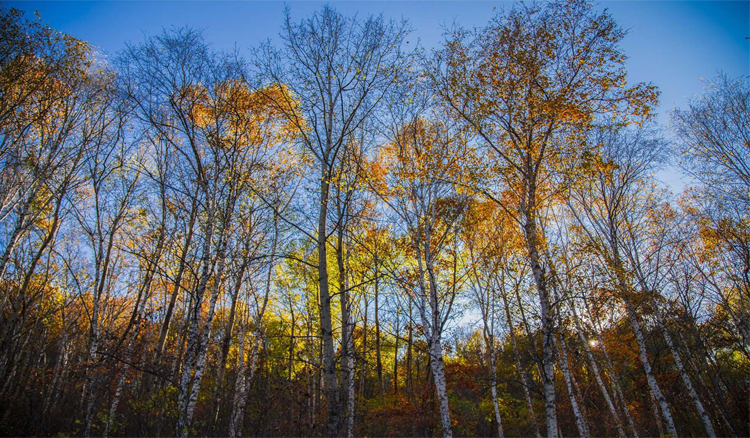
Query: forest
(343,234)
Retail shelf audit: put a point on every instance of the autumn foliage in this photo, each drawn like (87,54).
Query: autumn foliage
(341,236)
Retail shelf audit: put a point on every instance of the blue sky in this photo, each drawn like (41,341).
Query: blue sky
(673,44)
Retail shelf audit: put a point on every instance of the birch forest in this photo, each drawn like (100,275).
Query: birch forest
(344,234)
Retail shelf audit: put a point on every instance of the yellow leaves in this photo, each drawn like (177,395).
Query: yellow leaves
(592,163)
(719,236)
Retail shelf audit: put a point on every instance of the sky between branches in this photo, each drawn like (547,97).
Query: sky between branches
(673,44)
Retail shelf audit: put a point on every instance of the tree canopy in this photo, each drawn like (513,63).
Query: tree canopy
(342,236)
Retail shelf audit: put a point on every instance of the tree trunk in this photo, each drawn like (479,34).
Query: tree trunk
(200,362)
(225,341)
(240,392)
(493,387)
(683,375)
(395,354)
(193,351)
(363,366)
(658,397)
(177,285)
(597,374)
(347,334)
(438,373)
(583,429)
(616,264)
(719,393)
(243,377)
(519,367)
(292,327)
(548,375)
(326,322)
(378,360)
(120,384)
(410,340)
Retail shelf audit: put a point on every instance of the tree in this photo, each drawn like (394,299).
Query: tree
(530,84)
(627,221)
(714,143)
(42,73)
(486,258)
(333,72)
(199,103)
(353,239)
(428,151)
(58,108)
(714,138)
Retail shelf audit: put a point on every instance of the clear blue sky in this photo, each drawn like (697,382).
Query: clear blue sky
(672,44)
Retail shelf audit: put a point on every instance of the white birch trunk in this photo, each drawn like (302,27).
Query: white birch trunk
(519,367)
(622,284)
(350,397)
(597,373)
(438,373)
(583,429)
(653,385)
(488,322)
(115,401)
(432,328)
(493,391)
(684,376)
(240,390)
(192,351)
(240,393)
(60,365)
(548,357)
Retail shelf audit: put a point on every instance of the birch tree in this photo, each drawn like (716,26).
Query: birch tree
(425,154)
(333,71)
(620,217)
(530,83)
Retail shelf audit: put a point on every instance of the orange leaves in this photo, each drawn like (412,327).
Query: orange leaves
(593,163)
(42,74)
(375,174)
(724,234)
(490,232)
(235,115)
(428,151)
(539,68)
